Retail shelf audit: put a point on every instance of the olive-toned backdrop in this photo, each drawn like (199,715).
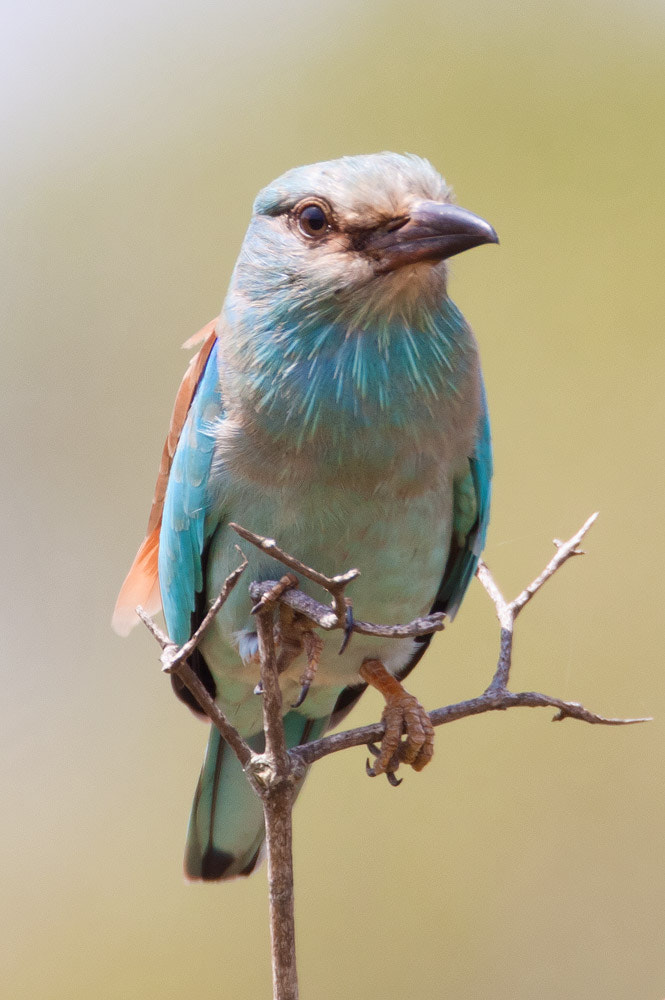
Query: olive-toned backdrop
(528,861)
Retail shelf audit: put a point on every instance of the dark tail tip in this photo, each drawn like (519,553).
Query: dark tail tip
(214,864)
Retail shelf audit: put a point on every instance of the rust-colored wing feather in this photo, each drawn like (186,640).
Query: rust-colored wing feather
(141,584)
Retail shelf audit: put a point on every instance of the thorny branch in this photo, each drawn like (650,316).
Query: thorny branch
(274,774)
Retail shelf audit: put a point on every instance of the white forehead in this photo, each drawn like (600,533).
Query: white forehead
(380,184)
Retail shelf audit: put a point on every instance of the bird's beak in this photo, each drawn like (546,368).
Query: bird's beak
(433,231)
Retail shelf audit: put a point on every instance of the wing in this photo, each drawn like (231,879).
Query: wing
(471,513)
(183,537)
(141,585)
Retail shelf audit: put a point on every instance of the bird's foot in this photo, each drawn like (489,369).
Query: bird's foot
(293,634)
(287,651)
(313,644)
(403,716)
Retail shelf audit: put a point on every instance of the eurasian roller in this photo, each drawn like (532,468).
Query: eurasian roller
(336,405)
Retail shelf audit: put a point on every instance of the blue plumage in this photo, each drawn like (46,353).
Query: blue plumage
(184,529)
(342,411)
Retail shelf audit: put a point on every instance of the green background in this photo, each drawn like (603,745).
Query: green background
(528,861)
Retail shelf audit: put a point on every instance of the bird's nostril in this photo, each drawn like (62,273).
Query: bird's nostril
(397,223)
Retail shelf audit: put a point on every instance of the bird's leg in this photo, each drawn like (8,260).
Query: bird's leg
(313,644)
(402,716)
(288,637)
(293,634)
(287,641)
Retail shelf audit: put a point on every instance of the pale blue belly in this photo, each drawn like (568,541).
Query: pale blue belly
(400,547)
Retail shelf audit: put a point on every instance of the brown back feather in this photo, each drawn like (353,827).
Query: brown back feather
(141,584)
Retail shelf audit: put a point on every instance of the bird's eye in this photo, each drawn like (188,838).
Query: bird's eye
(313,220)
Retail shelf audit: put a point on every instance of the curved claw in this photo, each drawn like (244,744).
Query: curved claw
(390,775)
(348,627)
(409,734)
(303,694)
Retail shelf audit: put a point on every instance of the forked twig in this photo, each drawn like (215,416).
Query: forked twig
(174,661)
(321,615)
(273,775)
(335,585)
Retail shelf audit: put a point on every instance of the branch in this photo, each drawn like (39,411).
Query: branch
(565,550)
(277,797)
(271,775)
(321,615)
(174,661)
(305,755)
(335,585)
(274,774)
(496,697)
(508,612)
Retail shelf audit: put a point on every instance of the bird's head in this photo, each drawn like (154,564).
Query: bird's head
(337,309)
(356,235)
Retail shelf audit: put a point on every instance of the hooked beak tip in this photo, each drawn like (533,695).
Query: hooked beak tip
(433,231)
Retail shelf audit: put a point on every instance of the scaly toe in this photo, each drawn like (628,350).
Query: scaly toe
(389,755)
(408,732)
(409,737)
(419,731)
(425,755)
(418,748)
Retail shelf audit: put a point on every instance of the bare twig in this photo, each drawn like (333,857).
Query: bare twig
(174,661)
(322,616)
(564,552)
(487,702)
(496,697)
(216,605)
(335,585)
(275,773)
(277,798)
(508,612)
(271,774)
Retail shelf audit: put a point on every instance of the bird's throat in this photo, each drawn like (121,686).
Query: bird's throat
(342,397)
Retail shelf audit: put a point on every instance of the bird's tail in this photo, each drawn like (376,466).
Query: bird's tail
(226,832)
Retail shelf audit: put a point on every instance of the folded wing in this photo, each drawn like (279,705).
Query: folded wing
(141,585)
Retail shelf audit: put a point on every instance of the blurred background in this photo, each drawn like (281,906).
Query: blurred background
(528,861)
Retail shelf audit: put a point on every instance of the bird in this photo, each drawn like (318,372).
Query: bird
(337,405)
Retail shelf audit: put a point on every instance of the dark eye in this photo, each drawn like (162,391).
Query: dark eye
(313,220)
